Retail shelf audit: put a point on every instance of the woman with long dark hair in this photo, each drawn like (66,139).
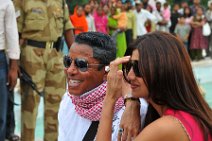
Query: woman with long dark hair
(159,70)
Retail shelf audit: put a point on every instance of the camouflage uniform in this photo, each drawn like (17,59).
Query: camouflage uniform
(40,23)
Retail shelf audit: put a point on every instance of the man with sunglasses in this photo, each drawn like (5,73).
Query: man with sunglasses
(86,69)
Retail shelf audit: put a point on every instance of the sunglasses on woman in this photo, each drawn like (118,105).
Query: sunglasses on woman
(126,67)
(81,63)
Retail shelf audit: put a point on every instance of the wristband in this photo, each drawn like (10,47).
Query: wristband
(130,98)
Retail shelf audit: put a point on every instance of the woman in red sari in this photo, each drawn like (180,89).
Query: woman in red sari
(78,20)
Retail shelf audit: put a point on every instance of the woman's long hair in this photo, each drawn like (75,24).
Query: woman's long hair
(165,64)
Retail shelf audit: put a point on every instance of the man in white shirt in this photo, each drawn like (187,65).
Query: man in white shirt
(142,16)
(9,47)
(86,68)
(153,3)
(162,24)
(89,18)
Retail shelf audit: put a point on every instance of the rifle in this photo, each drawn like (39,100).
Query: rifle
(25,77)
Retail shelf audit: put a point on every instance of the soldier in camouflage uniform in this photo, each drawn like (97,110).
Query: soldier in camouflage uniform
(40,24)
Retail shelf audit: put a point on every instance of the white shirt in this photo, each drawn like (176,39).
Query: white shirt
(73,127)
(141,18)
(153,3)
(164,28)
(8,30)
(90,22)
(158,15)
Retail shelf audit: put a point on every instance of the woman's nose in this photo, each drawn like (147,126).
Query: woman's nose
(131,74)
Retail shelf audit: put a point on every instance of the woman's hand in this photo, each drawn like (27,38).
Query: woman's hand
(114,91)
(114,78)
(126,89)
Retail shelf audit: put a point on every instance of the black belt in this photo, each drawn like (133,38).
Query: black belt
(39,44)
(1,51)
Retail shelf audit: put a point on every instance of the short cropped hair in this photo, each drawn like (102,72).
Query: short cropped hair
(104,48)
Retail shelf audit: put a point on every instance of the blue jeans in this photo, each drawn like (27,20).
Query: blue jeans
(3,95)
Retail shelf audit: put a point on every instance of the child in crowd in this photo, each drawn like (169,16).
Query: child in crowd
(182,31)
(121,18)
(166,13)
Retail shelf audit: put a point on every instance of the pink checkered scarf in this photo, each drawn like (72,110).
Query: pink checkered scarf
(90,105)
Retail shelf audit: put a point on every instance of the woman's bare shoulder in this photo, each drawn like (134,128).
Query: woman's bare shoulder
(166,128)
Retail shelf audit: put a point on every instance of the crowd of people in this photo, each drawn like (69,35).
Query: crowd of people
(136,18)
(88,93)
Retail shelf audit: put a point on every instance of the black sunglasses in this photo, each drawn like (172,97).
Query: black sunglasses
(126,67)
(80,63)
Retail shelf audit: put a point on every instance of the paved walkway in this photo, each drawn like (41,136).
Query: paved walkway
(205,62)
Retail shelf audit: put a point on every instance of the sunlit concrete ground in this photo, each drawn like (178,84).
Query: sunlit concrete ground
(202,70)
